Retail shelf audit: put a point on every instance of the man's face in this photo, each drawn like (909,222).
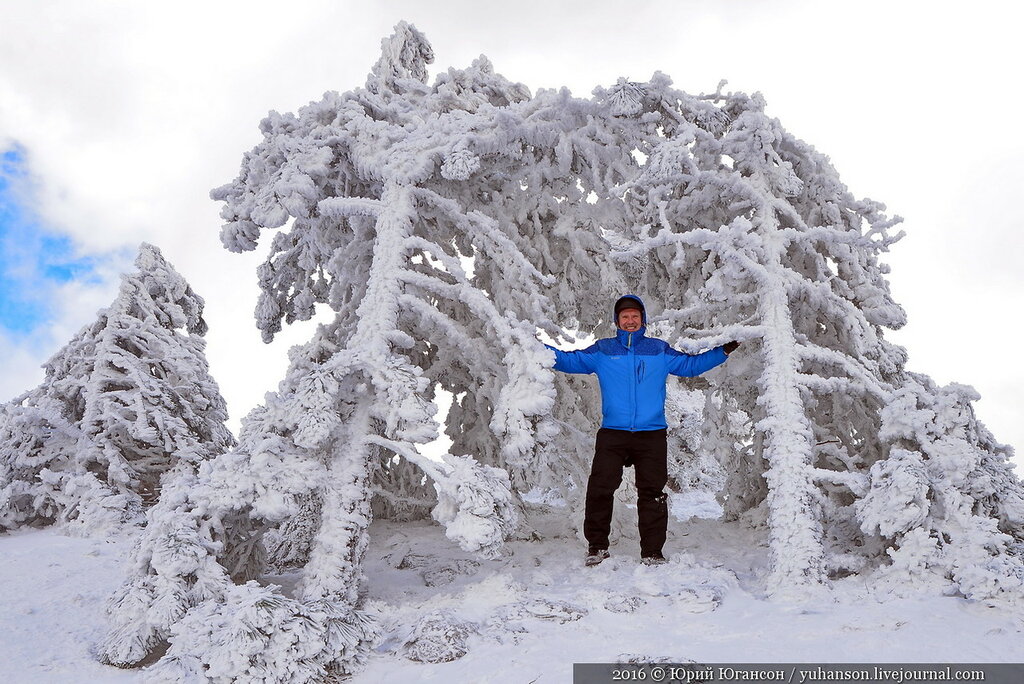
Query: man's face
(630,320)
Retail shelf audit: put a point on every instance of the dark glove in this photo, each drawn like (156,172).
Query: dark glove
(730,347)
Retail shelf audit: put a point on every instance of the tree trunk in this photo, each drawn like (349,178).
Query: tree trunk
(795,528)
(335,561)
(333,571)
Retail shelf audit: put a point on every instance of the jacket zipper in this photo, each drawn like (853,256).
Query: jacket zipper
(632,385)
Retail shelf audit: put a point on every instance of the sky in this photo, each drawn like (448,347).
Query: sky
(118,117)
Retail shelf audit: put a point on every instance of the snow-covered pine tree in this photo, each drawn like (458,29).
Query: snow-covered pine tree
(510,200)
(361,180)
(36,485)
(192,585)
(375,236)
(945,501)
(123,402)
(749,234)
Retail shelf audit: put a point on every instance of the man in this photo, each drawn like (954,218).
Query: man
(632,369)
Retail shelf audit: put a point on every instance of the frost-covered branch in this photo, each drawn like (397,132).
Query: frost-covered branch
(857,372)
(475,502)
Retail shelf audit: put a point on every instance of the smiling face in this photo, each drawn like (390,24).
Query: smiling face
(630,320)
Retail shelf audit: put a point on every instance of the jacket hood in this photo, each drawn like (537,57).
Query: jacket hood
(618,305)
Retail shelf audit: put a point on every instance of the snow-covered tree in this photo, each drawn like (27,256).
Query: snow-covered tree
(192,585)
(745,232)
(749,234)
(946,500)
(128,398)
(40,481)
(368,186)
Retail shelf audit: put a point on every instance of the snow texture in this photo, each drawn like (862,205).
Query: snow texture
(56,586)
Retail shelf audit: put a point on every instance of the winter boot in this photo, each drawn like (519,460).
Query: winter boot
(595,556)
(653,559)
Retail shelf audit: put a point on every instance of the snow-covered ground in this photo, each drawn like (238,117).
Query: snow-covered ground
(528,616)
(53,592)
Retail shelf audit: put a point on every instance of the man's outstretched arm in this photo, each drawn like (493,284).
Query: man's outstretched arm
(579,361)
(688,366)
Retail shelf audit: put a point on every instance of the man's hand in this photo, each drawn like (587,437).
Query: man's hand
(730,347)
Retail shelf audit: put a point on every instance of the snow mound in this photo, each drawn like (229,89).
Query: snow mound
(543,609)
(624,604)
(446,574)
(439,637)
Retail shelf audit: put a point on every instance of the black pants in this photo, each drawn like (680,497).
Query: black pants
(647,452)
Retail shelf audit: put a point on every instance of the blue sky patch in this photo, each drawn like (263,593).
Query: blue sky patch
(33,258)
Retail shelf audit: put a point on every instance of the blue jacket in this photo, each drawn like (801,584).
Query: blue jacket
(632,369)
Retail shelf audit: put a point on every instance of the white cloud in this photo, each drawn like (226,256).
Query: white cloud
(70,305)
(21,366)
